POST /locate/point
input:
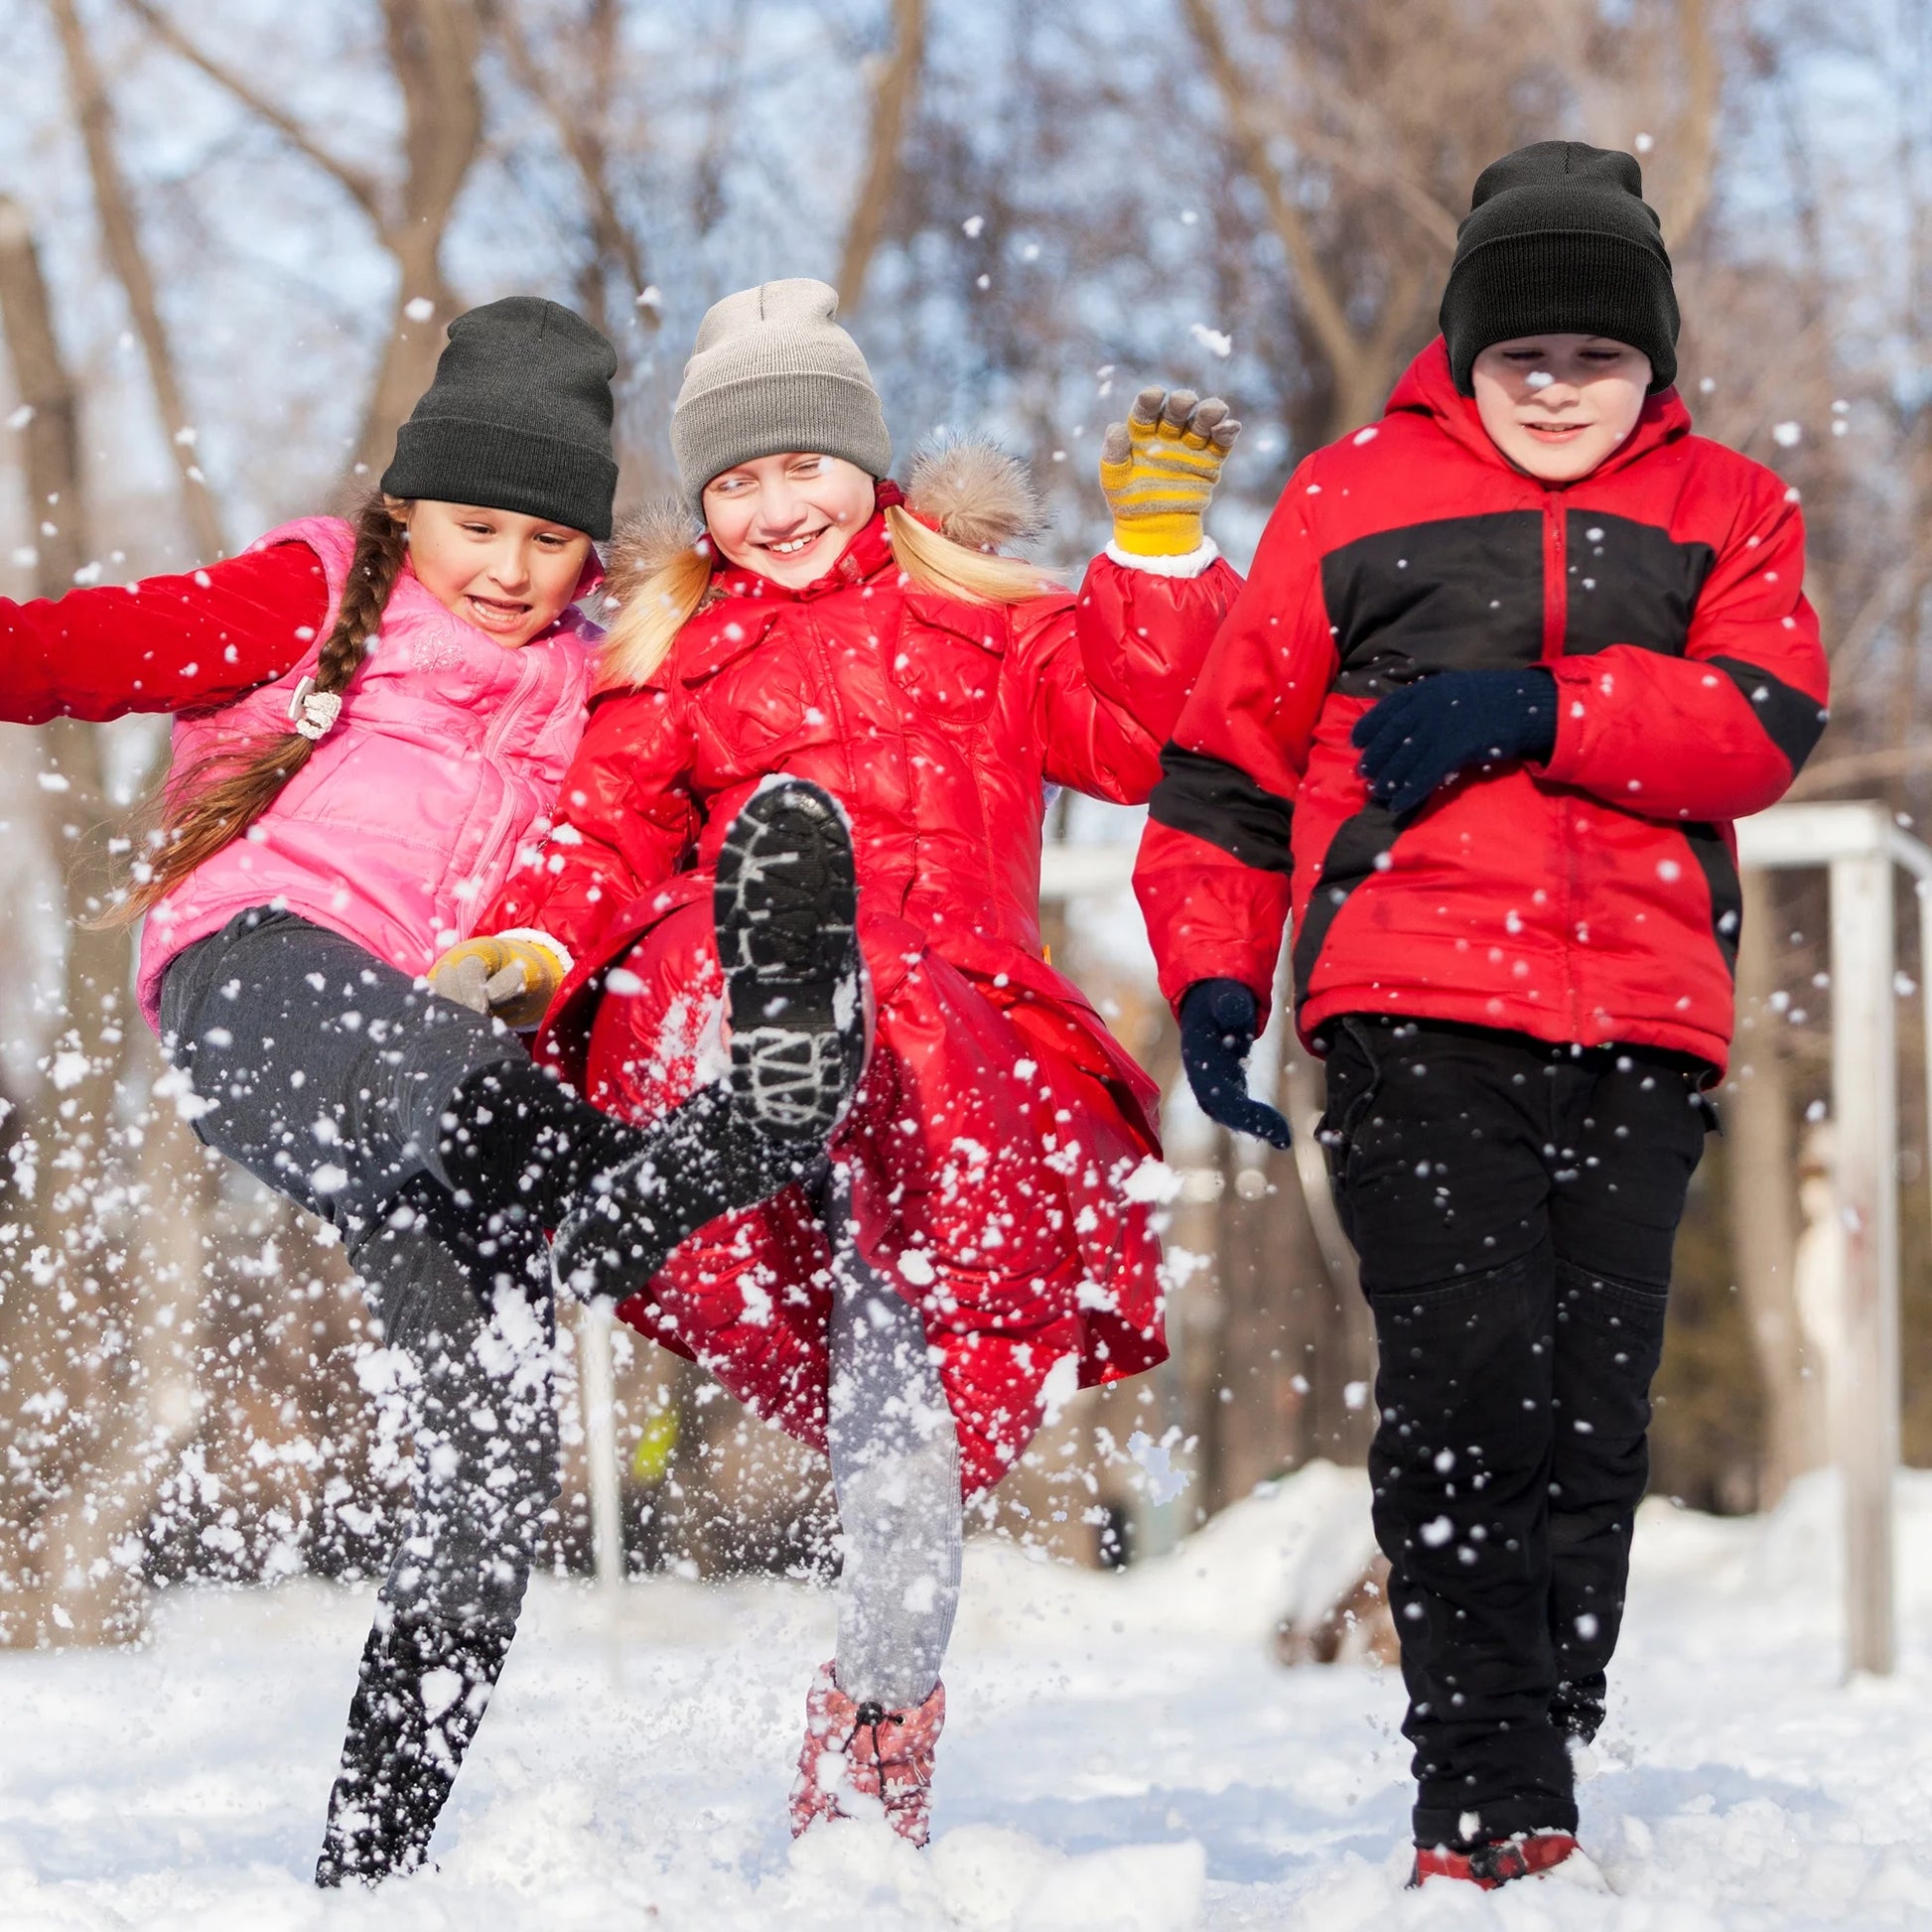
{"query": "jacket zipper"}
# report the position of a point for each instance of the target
(1556, 622)
(528, 672)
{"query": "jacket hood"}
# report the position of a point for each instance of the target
(970, 491)
(1428, 388)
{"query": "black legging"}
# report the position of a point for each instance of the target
(324, 1073)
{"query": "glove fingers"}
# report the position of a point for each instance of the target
(1224, 435)
(1411, 798)
(1201, 424)
(509, 982)
(1404, 766)
(1147, 406)
(1266, 1123)
(1379, 737)
(1391, 715)
(1240, 1114)
(464, 983)
(1116, 447)
(1179, 406)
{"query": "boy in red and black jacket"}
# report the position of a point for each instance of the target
(1507, 665)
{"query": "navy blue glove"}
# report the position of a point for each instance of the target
(1217, 1027)
(1425, 734)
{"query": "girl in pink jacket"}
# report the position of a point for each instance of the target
(371, 720)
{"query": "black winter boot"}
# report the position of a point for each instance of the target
(517, 1145)
(786, 905)
(785, 909)
(401, 1757)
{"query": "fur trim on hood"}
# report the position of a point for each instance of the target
(971, 491)
(974, 493)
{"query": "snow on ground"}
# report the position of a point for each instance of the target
(1124, 1754)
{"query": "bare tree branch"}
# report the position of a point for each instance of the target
(894, 96)
(1311, 286)
(50, 459)
(1693, 142)
(362, 185)
(583, 140)
(121, 238)
(78, 1486)
(433, 50)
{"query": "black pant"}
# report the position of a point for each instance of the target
(324, 1071)
(1514, 1207)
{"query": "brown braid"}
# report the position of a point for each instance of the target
(217, 799)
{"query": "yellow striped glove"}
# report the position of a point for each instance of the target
(511, 975)
(1160, 468)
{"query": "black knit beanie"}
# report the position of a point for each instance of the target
(1559, 240)
(518, 418)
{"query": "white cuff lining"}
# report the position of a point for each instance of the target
(543, 939)
(1189, 563)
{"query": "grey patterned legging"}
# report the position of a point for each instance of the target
(896, 1471)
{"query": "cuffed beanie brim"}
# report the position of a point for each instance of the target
(1559, 240)
(1574, 282)
(772, 372)
(518, 418)
(768, 415)
(451, 458)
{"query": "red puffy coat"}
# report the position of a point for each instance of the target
(1594, 899)
(996, 1132)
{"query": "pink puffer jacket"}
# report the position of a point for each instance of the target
(401, 827)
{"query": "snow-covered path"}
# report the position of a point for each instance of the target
(1123, 1754)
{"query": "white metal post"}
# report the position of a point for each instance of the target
(1859, 843)
(1865, 1405)
(596, 1390)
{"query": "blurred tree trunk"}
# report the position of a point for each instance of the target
(1761, 1171)
(895, 98)
(121, 240)
(78, 1439)
(580, 117)
(1291, 1347)
(1362, 356)
(433, 48)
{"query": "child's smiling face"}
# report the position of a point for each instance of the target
(1558, 405)
(511, 576)
(789, 517)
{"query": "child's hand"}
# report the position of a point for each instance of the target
(1422, 736)
(1217, 1027)
(511, 977)
(1159, 468)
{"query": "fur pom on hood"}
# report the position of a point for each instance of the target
(971, 491)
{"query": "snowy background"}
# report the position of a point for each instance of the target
(1125, 1755)
(246, 224)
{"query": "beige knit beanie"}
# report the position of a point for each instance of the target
(773, 371)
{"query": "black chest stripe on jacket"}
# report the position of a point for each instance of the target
(1464, 593)
(1352, 855)
(1714, 859)
(1630, 584)
(1214, 800)
(1791, 719)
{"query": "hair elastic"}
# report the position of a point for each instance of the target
(313, 712)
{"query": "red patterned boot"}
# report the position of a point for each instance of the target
(868, 1750)
(1489, 1866)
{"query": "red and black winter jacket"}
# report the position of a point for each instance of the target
(1593, 898)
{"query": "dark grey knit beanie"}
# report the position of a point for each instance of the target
(1559, 240)
(518, 418)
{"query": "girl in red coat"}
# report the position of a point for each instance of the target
(881, 705)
